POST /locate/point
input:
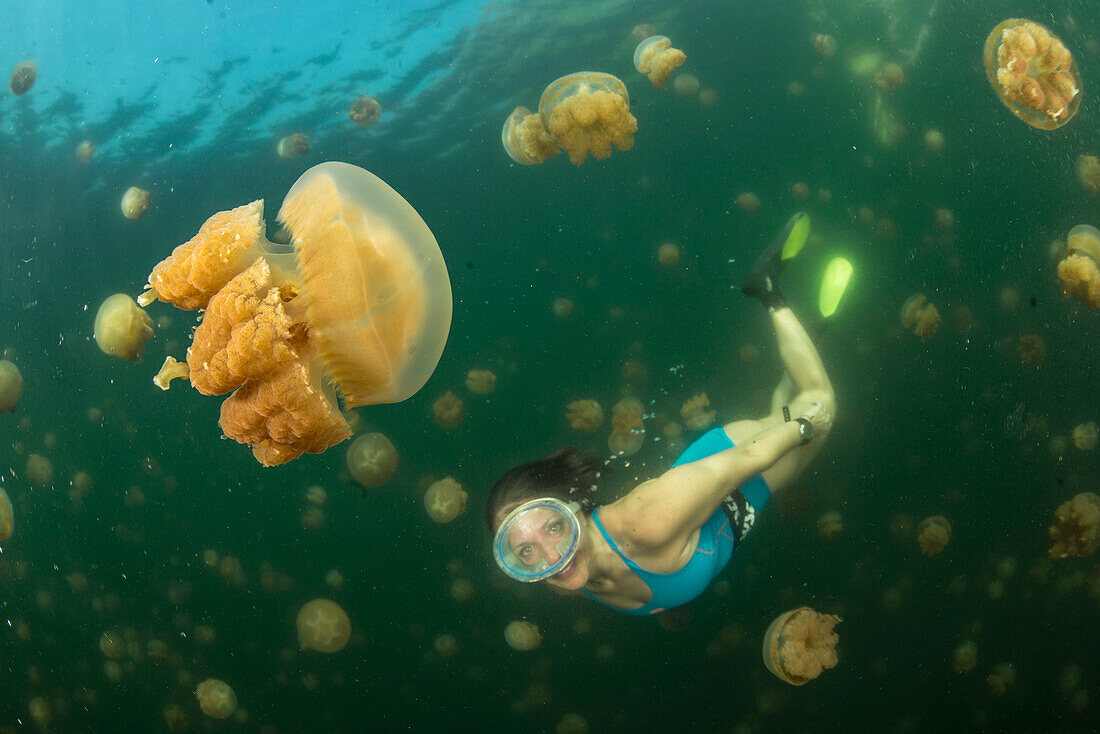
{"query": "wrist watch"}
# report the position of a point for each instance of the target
(805, 430)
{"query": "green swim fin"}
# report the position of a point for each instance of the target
(837, 274)
(794, 235)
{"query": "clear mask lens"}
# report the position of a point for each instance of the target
(537, 539)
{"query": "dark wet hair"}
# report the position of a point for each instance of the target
(568, 475)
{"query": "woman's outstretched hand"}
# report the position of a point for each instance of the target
(818, 417)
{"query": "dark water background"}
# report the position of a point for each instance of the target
(953, 425)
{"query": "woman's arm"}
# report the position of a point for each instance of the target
(667, 510)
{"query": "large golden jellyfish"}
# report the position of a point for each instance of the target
(800, 644)
(11, 386)
(1080, 270)
(1033, 73)
(1076, 527)
(525, 140)
(362, 300)
(588, 112)
(656, 58)
(121, 328)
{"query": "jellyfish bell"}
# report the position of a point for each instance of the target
(588, 112)
(359, 303)
(84, 151)
(293, 145)
(11, 386)
(121, 328)
(686, 85)
(800, 644)
(445, 500)
(372, 459)
(1084, 239)
(1088, 173)
(134, 203)
(22, 77)
(365, 111)
(933, 141)
(1033, 73)
(216, 698)
(525, 140)
(323, 626)
(522, 635)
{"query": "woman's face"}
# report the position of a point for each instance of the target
(539, 537)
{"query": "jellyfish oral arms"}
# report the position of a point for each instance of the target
(362, 302)
(588, 112)
(656, 58)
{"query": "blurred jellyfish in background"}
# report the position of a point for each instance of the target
(920, 317)
(134, 203)
(445, 500)
(1001, 680)
(1075, 531)
(824, 44)
(372, 459)
(121, 328)
(84, 151)
(696, 412)
(7, 516)
(588, 112)
(1033, 73)
(292, 146)
(642, 31)
(323, 626)
(656, 58)
(966, 657)
(216, 698)
(748, 201)
(11, 386)
(23, 77)
(1079, 272)
(1086, 435)
(1088, 173)
(934, 141)
(800, 644)
(627, 428)
(668, 255)
(365, 111)
(448, 410)
(1031, 349)
(830, 525)
(522, 635)
(481, 382)
(933, 534)
(584, 415)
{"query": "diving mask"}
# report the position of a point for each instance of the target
(537, 539)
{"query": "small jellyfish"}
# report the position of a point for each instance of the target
(920, 317)
(933, 141)
(588, 112)
(933, 534)
(448, 410)
(966, 657)
(686, 85)
(824, 44)
(830, 525)
(627, 428)
(22, 77)
(890, 76)
(39, 471)
(216, 698)
(11, 386)
(445, 645)
(748, 201)
(121, 328)
(584, 415)
(668, 255)
(696, 412)
(481, 382)
(134, 202)
(562, 307)
(1001, 680)
(462, 589)
(293, 145)
(800, 644)
(1079, 272)
(445, 500)
(316, 495)
(85, 151)
(323, 626)
(656, 58)
(1033, 73)
(372, 459)
(800, 191)
(1088, 173)
(525, 139)
(1086, 436)
(1031, 350)
(522, 635)
(7, 516)
(366, 111)
(642, 31)
(943, 218)
(1076, 527)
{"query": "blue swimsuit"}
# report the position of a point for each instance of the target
(716, 538)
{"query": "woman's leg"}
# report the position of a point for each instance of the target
(805, 382)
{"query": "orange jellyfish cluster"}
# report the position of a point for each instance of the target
(580, 113)
(1075, 531)
(919, 316)
(1079, 272)
(363, 300)
(1033, 73)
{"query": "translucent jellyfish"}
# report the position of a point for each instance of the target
(134, 203)
(627, 428)
(830, 525)
(1079, 272)
(696, 412)
(686, 85)
(562, 307)
(588, 112)
(22, 77)
(323, 626)
(293, 145)
(1076, 527)
(933, 141)
(584, 415)
(642, 31)
(572, 724)
(316, 495)
(1031, 350)
(1086, 435)
(11, 386)
(933, 534)
(462, 590)
(966, 657)
(372, 459)
(748, 201)
(920, 317)
(525, 139)
(39, 471)
(85, 151)
(361, 302)
(366, 111)
(890, 76)
(445, 500)
(121, 328)
(824, 44)
(1001, 680)
(800, 644)
(7, 516)
(522, 635)
(1088, 173)
(656, 58)
(800, 190)
(448, 410)
(481, 382)
(943, 218)
(216, 698)
(668, 255)
(175, 718)
(1033, 73)
(334, 579)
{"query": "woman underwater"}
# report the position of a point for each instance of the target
(660, 545)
